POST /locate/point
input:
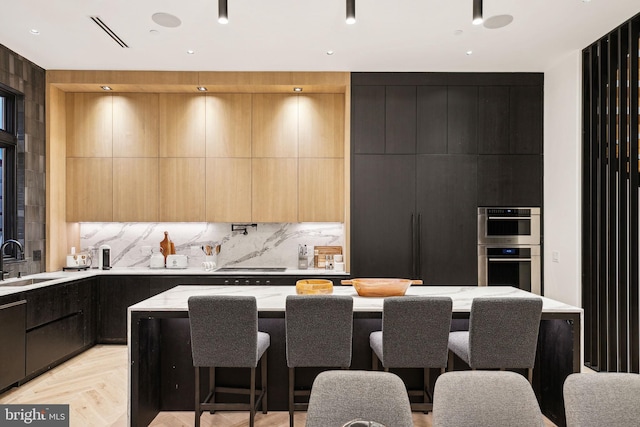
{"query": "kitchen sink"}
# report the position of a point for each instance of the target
(26, 282)
(252, 269)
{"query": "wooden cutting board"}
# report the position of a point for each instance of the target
(322, 251)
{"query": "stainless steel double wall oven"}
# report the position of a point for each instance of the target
(509, 247)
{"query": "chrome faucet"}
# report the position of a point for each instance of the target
(2, 248)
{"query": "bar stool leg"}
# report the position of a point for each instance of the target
(292, 382)
(450, 367)
(530, 375)
(263, 378)
(212, 386)
(197, 407)
(374, 361)
(252, 397)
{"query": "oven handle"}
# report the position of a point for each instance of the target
(508, 218)
(509, 259)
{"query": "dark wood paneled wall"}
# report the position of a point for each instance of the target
(610, 288)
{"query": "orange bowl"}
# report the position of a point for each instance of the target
(314, 287)
(381, 287)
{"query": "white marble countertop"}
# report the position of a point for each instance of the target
(8, 286)
(272, 298)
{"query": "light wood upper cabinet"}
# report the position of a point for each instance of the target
(135, 189)
(135, 125)
(274, 190)
(228, 187)
(274, 125)
(182, 125)
(228, 128)
(89, 189)
(321, 125)
(321, 192)
(89, 125)
(182, 189)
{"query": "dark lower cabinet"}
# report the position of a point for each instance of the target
(54, 341)
(12, 336)
(115, 295)
(383, 220)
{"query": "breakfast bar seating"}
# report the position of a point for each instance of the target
(161, 370)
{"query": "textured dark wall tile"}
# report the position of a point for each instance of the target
(23, 76)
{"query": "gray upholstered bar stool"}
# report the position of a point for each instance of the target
(415, 333)
(224, 334)
(503, 334)
(319, 331)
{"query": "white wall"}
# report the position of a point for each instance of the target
(562, 180)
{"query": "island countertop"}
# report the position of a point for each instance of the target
(272, 298)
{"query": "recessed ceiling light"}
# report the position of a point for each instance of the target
(166, 20)
(469, 52)
(477, 12)
(330, 52)
(35, 32)
(191, 52)
(202, 88)
(223, 14)
(106, 87)
(297, 89)
(351, 12)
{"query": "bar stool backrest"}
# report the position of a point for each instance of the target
(415, 331)
(503, 332)
(319, 330)
(224, 330)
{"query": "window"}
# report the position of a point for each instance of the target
(8, 144)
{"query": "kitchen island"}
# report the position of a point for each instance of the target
(161, 371)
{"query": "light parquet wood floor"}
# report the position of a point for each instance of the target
(94, 384)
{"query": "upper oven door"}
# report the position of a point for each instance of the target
(515, 226)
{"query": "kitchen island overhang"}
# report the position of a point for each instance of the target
(161, 375)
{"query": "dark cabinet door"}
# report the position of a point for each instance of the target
(462, 119)
(54, 341)
(432, 120)
(400, 120)
(510, 180)
(446, 203)
(115, 295)
(368, 121)
(493, 124)
(12, 336)
(382, 206)
(525, 115)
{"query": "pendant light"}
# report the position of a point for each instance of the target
(477, 12)
(351, 12)
(223, 17)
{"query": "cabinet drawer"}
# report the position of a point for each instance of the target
(54, 341)
(52, 303)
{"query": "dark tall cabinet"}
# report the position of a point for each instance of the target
(428, 149)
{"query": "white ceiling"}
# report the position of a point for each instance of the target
(294, 35)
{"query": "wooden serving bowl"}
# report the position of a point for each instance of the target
(314, 287)
(380, 287)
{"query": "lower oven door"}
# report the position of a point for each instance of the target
(517, 266)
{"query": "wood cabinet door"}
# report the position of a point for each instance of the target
(89, 194)
(135, 190)
(367, 118)
(274, 190)
(89, 125)
(321, 125)
(135, 125)
(228, 190)
(446, 204)
(182, 190)
(383, 201)
(525, 117)
(182, 125)
(228, 128)
(274, 125)
(321, 190)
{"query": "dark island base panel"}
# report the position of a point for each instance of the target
(162, 376)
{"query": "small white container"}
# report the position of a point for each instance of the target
(338, 266)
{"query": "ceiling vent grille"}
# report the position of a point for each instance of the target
(109, 31)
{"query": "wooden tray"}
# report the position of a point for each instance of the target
(325, 250)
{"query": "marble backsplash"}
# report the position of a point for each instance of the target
(267, 245)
